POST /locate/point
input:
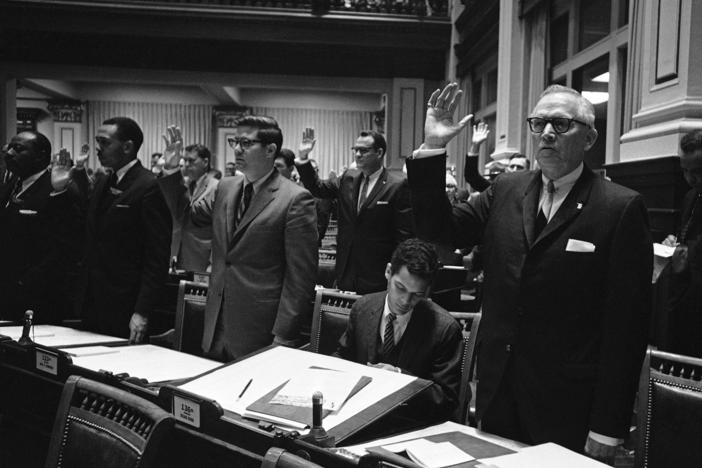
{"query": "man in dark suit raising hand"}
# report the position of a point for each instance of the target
(567, 273)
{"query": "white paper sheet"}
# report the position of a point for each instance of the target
(153, 363)
(90, 350)
(431, 454)
(55, 336)
(335, 387)
(269, 369)
(661, 250)
(433, 430)
(548, 455)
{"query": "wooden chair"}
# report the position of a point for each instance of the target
(329, 319)
(465, 413)
(279, 458)
(669, 411)
(99, 425)
(190, 317)
(326, 275)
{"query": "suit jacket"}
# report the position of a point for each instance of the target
(191, 244)
(128, 233)
(569, 328)
(685, 290)
(40, 235)
(264, 268)
(366, 238)
(431, 348)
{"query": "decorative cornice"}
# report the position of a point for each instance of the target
(226, 116)
(66, 111)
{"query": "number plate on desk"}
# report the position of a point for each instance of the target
(186, 411)
(47, 362)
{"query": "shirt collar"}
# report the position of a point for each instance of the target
(123, 170)
(375, 175)
(567, 181)
(258, 182)
(400, 320)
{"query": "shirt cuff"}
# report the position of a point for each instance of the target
(55, 194)
(606, 440)
(427, 153)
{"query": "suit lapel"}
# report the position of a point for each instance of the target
(414, 333)
(373, 327)
(573, 204)
(266, 194)
(358, 178)
(530, 205)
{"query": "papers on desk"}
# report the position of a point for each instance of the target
(431, 454)
(335, 386)
(548, 455)
(153, 363)
(270, 369)
(55, 336)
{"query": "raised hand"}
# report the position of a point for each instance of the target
(306, 146)
(61, 170)
(83, 156)
(480, 133)
(439, 127)
(173, 151)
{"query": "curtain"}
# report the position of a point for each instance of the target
(335, 130)
(195, 120)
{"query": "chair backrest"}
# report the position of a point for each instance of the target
(190, 317)
(279, 458)
(471, 322)
(446, 290)
(669, 411)
(99, 425)
(329, 319)
(326, 276)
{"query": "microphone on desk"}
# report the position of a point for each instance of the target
(317, 435)
(24, 339)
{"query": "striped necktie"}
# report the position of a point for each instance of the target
(389, 336)
(364, 192)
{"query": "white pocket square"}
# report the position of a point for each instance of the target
(381, 202)
(575, 245)
(27, 212)
(121, 206)
(115, 191)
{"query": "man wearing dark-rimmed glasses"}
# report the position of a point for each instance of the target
(264, 247)
(374, 211)
(567, 278)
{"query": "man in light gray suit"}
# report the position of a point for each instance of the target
(191, 245)
(264, 249)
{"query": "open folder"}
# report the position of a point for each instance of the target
(277, 407)
(261, 373)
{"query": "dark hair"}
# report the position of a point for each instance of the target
(201, 151)
(691, 141)
(268, 129)
(378, 140)
(520, 155)
(127, 129)
(41, 145)
(288, 156)
(418, 256)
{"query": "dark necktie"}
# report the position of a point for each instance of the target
(245, 201)
(16, 191)
(389, 336)
(364, 189)
(547, 206)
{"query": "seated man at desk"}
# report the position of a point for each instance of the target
(402, 331)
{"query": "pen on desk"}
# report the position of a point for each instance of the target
(245, 388)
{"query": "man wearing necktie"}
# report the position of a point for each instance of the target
(191, 187)
(264, 248)
(374, 211)
(565, 307)
(402, 330)
(39, 235)
(684, 307)
(128, 233)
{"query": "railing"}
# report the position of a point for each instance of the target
(422, 8)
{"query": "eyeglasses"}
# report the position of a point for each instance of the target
(245, 143)
(361, 149)
(559, 124)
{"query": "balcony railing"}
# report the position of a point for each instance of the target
(405, 8)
